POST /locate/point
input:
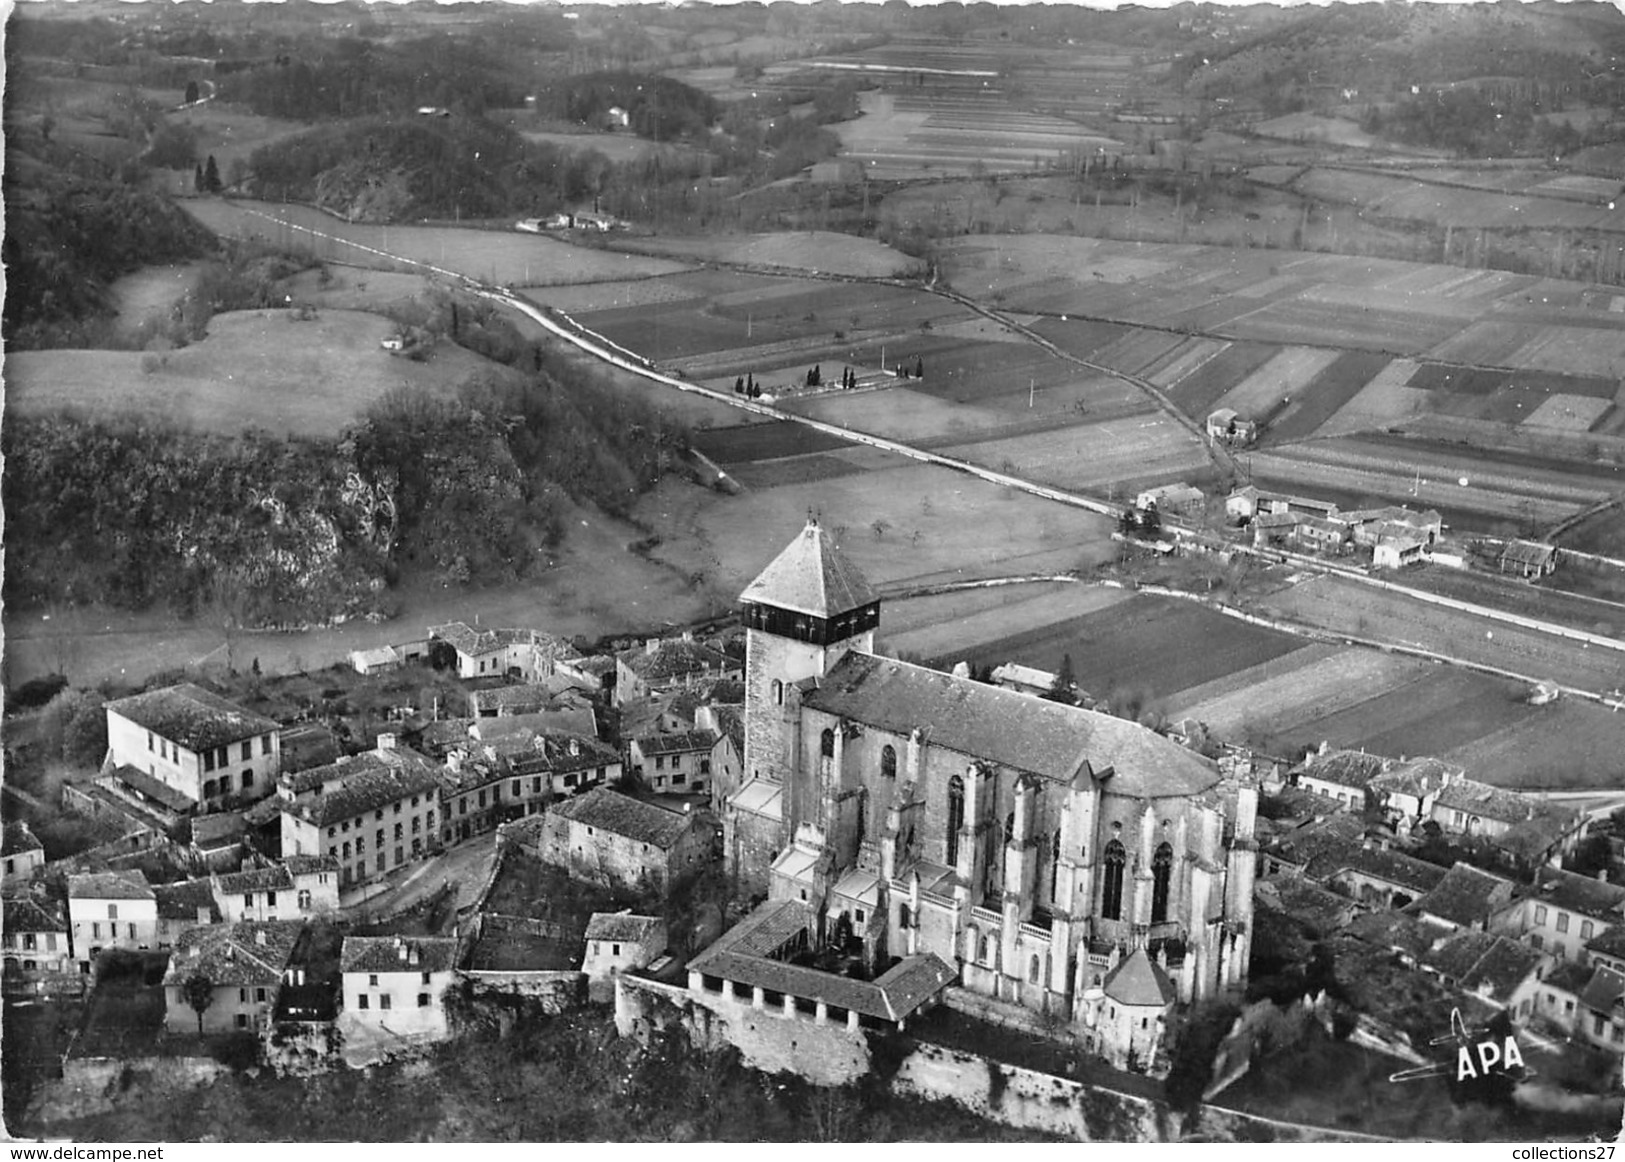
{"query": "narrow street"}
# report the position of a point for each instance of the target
(464, 868)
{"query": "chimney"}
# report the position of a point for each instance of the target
(412, 954)
(652, 646)
(386, 742)
(1602, 875)
(400, 948)
(259, 937)
(688, 635)
(575, 746)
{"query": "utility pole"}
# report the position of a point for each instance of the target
(1031, 389)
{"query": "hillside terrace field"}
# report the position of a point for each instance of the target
(261, 369)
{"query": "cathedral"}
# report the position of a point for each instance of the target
(1066, 861)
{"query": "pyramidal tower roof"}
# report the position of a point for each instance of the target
(1138, 981)
(811, 576)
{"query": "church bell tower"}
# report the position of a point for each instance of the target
(802, 614)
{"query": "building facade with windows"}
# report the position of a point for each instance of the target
(397, 984)
(38, 951)
(242, 966)
(371, 814)
(209, 749)
(111, 910)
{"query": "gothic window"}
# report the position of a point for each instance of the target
(902, 916)
(826, 744)
(778, 692)
(1054, 865)
(1032, 970)
(1162, 872)
(986, 956)
(888, 762)
(956, 817)
(1111, 888)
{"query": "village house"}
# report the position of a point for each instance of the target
(527, 654)
(660, 666)
(23, 854)
(208, 749)
(1465, 898)
(1273, 528)
(1405, 791)
(1398, 545)
(397, 984)
(518, 775)
(1557, 1000)
(379, 659)
(373, 813)
(1371, 524)
(1019, 841)
(1312, 907)
(1502, 972)
(616, 942)
(675, 763)
(38, 950)
(1530, 560)
(1525, 832)
(565, 718)
(1376, 877)
(725, 721)
(1226, 426)
(608, 838)
(1607, 947)
(1601, 1019)
(186, 905)
(244, 963)
(113, 909)
(1024, 679)
(499, 701)
(304, 885)
(1344, 775)
(1322, 534)
(1561, 914)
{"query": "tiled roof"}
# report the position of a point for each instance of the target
(1528, 553)
(1418, 777)
(1409, 935)
(1535, 837)
(1577, 893)
(1324, 911)
(529, 694)
(556, 752)
(1405, 871)
(305, 865)
(1346, 768)
(675, 659)
(191, 716)
(1609, 942)
(1138, 981)
(1046, 738)
(622, 815)
(743, 955)
(113, 885)
(680, 743)
(576, 720)
(182, 901)
(621, 926)
(1475, 959)
(472, 642)
(19, 839)
(1463, 896)
(264, 879)
(149, 787)
(246, 953)
(1330, 839)
(730, 719)
(1569, 975)
(371, 781)
(811, 576)
(218, 830)
(1490, 802)
(760, 797)
(395, 954)
(265, 811)
(25, 914)
(1603, 991)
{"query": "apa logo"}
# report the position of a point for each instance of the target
(1490, 1055)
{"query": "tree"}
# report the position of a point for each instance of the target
(191, 93)
(1066, 680)
(198, 990)
(1151, 521)
(919, 367)
(198, 183)
(211, 176)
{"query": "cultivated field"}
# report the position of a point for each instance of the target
(1114, 456)
(500, 256)
(1398, 196)
(811, 250)
(261, 369)
(1343, 606)
(940, 627)
(150, 293)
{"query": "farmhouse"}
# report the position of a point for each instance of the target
(382, 659)
(396, 985)
(115, 909)
(241, 966)
(1371, 524)
(1321, 535)
(608, 838)
(210, 750)
(528, 654)
(1398, 545)
(1024, 679)
(1531, 560)
(1172, 499)
(1035, 846)
(1273, 528)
